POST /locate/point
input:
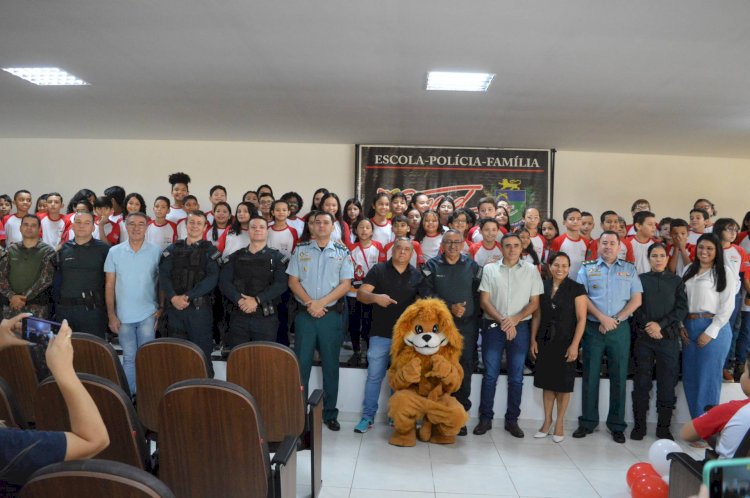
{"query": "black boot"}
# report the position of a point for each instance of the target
(639, 416)
(663, 423)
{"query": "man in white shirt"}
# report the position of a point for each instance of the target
(508, 295)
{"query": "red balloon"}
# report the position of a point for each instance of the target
(650, 487)
(638, 470)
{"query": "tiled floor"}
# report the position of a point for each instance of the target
(496, 464)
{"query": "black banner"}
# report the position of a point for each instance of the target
(523, 177)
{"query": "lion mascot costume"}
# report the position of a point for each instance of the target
(424, 371)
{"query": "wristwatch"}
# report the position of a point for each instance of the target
(617, 320)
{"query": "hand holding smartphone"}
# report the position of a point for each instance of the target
(39, 331)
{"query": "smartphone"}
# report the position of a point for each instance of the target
(728, 478)
(39, 331)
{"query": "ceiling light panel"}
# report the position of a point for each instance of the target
(46, 76)
(459, 82)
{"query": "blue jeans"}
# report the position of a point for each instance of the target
(734, 322)
(701, 367)
(493, 342)
(132, 336)
(743, 338)
(378, 358)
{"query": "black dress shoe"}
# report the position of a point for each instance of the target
(618, 437)
(483, 427)
(514, 430)
(333, 425)
(463, 431)
(582, 432)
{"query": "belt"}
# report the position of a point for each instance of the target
(695, 316)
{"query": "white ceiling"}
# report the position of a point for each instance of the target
(667, 76)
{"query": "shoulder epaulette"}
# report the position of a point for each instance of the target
(306, 243)
(589, 262)
(340, 245)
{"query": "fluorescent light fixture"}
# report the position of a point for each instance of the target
(46, 76)
(459, 82)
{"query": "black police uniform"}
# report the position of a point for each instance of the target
(192, 270)
(79, 284)
(263, 276)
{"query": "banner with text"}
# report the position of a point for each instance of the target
(522, 177)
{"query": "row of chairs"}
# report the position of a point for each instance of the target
(206, 429)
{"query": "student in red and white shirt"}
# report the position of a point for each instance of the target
(133, 203)
(12, 222)
(430, 234)
(550, 231)
(222, 222)
(610, 221)
(281, 236)
(645, 231)
(710, 209)
(381, 225)
(6, 205)
(587, 225)
(531, 221)
(105, 230)
(698, 224)
(180, 183)
(489, 249)
(237, 236)
(118, 199)
(365, 254)
(295, 203)
(680, 251)
(400, 226)
(53, 224)
(528, 253)
(485, 209)
(216, 195)
(160, 231)
(571, 242)
(399, 205)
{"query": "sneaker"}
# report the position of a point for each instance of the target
(363, 425)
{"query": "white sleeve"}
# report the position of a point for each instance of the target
(726, 307)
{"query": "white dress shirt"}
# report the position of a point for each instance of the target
(703, 298)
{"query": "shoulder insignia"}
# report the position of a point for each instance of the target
(480, 270)
(216, 256)
(303, 244)
(426, 272)
(340, 245)
(165, 253)
(284, 259)
(589, 262)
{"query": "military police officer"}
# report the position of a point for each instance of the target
(254, 278)
(614, 293)
(320, 274)
(80, 273)
(188, 274)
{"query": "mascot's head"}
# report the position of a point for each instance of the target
(427, 327)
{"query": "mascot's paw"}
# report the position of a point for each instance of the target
(412, 371)
(441, 367)
(438, 438)
(403, 438)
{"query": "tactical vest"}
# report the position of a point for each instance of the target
(253, 273)
(189, 265)
(82, 270)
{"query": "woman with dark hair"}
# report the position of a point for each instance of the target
(556, 330)
(707, 334)
(237, 236)
(330, 203)
(657, 343)
(445, 210)
(317, 197)
(503, 218)
(430, 234)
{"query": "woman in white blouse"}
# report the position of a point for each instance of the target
(710, 291)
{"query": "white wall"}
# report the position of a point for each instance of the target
(589, 180)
